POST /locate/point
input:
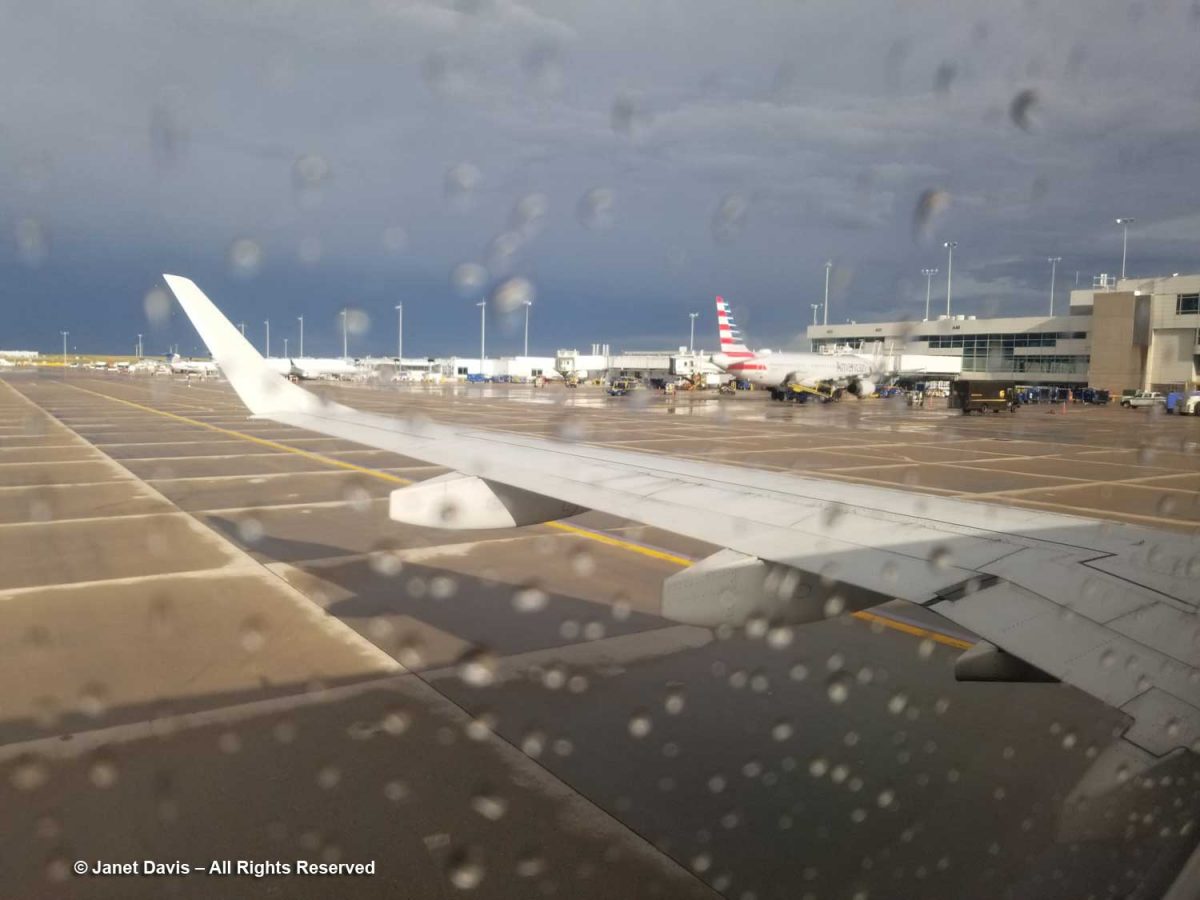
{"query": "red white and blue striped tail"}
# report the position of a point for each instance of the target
(731, 338)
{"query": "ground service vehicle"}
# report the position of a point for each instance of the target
(978, 396)
(1140, 399)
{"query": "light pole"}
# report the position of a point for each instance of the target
(139, 353)
(482, 304)
(285, 353)
(815, 307)
(928, 273)
(528, 303)
(949, 245)
(345, 338)
(828, 266)
(1054, 261)
(267, 322)
(400, 334)
(300, 319)
(1124, 223)
(692, 339)
(64, 337)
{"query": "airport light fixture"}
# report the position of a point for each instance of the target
(345, 337)
(285, 349)
(482, 304)
(400, 334)
(828, 266)
(692, 337)
(300, 319)
(1054, 261)
(528, 303)
(1124, 223)
(949, 245)
(267, 323)
(815, 307)
(139, 352)
(928, 273)
(64, 337)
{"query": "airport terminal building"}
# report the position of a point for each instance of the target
(1121, 334)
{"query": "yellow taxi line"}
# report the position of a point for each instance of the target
(598, 536)
(262, 442)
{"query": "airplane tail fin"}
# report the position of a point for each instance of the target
(260, 387)
(731, 338)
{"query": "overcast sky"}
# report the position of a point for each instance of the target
(623, 160)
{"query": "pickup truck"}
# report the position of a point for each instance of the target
(1139, 399)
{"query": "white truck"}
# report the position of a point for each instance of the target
(1138, 399)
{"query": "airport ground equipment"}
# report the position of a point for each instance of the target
(1107, 607)
(981, 396)
(1142, 399)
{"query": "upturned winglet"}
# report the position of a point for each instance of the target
(263, 390)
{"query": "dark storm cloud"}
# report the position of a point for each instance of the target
(671, 153)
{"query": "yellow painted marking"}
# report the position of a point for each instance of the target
(683, 561)
(262, 442)
(915, 631)
(598, 536)
(602, 538)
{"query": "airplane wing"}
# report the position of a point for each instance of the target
(1108, 608)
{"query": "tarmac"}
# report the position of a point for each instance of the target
(218, 647)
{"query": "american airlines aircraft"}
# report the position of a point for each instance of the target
(1108, 608)
(820, 372)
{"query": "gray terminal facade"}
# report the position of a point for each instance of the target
(1121, 334)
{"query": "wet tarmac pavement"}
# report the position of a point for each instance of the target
(217, 646)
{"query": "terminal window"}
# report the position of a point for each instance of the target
(1187, 304)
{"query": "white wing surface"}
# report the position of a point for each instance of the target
(1106, 607)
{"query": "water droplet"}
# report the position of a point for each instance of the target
(782, 730)
(229, 742)
(595, 208)
(385, 562)
(489, 805)
(29, 774)
(465, 869)
(396, 791)
(780, 637)
(93, 699)
(253, 634)
(838, 688)
(818, 767)
(478, 667)
(533, 744)
(530, 864)
(511, 296)
(329, 777)
(886, 798)
(897, 703)
(729, 219)
(157, 306)
(310, 174)
(102, 771)
(250, 530)
(640, 725)
(674, 703)
(798, 672)
(930, 207)
(33, 243)
(468, 279)
(245, 258)
(395, 239)
(461, 183)
(1021, 107)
